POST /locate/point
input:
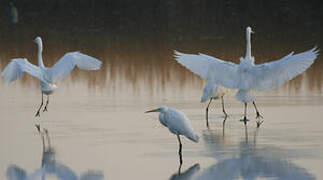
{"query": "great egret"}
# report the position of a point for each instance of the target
(247, 76)
(49, 76)
(177, 123)
(212, 91)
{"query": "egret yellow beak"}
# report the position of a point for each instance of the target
(154, 110)
(253, 32)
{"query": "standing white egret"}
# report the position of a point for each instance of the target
(212, 91)
(247, 76)
(48, 76)
(177, 123)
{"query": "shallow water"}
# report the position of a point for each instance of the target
(94, 132)
(97, 127)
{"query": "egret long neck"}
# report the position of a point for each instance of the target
(248, 47)
(40, 58)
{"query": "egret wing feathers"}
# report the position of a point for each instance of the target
(17, 67)
(209, 91)
(178, 123)
(271, 75)
(210, 68)
(67, 63)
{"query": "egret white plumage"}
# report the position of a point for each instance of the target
(177, 123)
(211, 92)
(48, 76)
(247, 76)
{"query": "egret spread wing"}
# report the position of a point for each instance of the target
(210, 68)
(17, 67)
(271, 75)
(67, 63)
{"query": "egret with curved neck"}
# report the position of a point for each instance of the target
(48, 76)
(178, 124)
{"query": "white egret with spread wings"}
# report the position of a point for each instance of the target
(248, 76)
(48, 76)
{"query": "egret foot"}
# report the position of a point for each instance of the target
(41, 105)
(225, 114)
(258, 115)
(45, 108)
(259, 122)
(38, 127)
(245, 120)
(37, 114)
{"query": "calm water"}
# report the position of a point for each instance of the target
(97, 128)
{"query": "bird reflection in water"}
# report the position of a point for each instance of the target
(50, 167)
(247, 161)
(188, 174)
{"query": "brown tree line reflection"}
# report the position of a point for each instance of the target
(148, 64)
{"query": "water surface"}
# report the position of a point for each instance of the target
(97, 127)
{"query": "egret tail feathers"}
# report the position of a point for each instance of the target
(194, 138)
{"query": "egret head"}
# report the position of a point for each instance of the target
(249, 30)
(38, 41)
(161, 109)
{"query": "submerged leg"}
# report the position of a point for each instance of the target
(41, 135)
(257, 112)
(37, 114)
(225, 114)
(47, 137)
(246, 133)
(207, 113)
(223, 125)
(45, 108)
(38, 127)
(180, 150)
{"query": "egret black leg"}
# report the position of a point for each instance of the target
(179, 169)
(45, 108)
(225, 118)
(37, 114)
(223, 126)
(259, 122)
(180, 150)
(257, 112)
(207, 113)
(245, 114)
(225, 114)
